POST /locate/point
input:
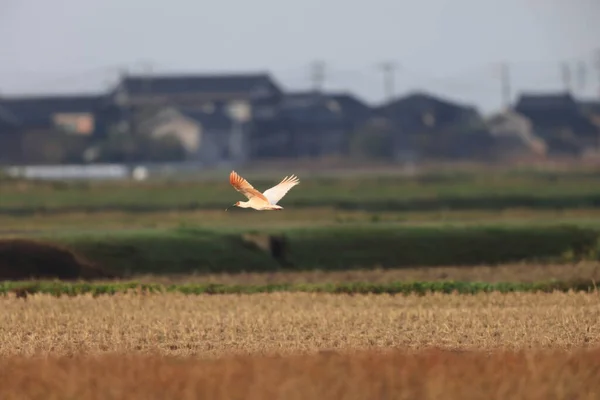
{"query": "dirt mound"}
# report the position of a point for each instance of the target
(275, 245)
(23, 259)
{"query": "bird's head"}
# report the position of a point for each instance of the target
(237, 204)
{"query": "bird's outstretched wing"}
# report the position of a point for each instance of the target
(245, 188)
(277, 192)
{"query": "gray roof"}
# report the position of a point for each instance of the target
(555, 110)
(561, 100)
(421, 101)
(181, 84)
(408, 111)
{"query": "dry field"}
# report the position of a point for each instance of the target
(216, 325)
(584, 271)
(493, 346)
(369, 375)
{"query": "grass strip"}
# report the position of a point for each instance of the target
(392, 288)
(330, 248)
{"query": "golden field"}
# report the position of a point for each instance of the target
(366, 375)
(217, 325)
(581, 271)
(301, 346)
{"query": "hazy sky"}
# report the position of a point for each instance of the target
(447, 47)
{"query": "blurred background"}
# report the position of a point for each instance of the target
(429, 133)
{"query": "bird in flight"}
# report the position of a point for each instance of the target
(257, 200)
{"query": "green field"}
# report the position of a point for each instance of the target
(454, 218)
(191, 250)
(426, 192)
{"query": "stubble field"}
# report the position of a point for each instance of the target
(514, 273)
(292, 346)
(217, 325)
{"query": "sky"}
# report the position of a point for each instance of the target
(449, 48)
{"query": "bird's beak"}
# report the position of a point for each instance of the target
(227, 209)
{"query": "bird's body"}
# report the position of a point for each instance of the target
(261, 201)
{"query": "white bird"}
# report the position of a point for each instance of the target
(257, 200)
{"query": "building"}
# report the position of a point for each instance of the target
(315, 124)
(247, 96)
(591, 109)
(514, 136)
(76, 114)
(208, 137)
(10, 139)
(51, 129)
(250, 100)
(354, 111)
(560, 122)
(427, 126)
(420, 112)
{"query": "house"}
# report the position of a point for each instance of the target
(514, 136)
(10, 142)
(354, 111)
(209, 137)
(9, 123)
(53, 129)
(74, 114)
(433, 127)
(246, 96)
(69, 114)
(315, 123)
(591, 109)
(251, 100)
(309, 124)
(379, 138)
(422, 112)
(560, 122)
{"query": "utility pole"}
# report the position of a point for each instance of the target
(317, 75)
(147, 67)
(121, 96)
(566, 76)
(505, 84)
(389, 69)
(581, 76)
(597, 67)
